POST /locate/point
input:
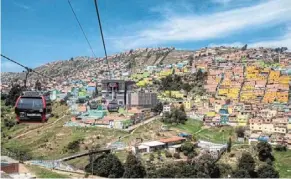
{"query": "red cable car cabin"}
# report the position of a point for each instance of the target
(33, 106)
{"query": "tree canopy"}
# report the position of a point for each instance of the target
(133, 168)
(13, 94)
(267, 171)
(247, 163)
(176, 116)
(107, 165)
(264, 150)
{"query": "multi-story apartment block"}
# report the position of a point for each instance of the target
(142, 99)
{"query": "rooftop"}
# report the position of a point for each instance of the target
(152, 143)
(172, 139)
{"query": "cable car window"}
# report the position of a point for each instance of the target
(30, 103)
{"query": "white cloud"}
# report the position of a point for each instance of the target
(191, 27)
(7, 66)
(23, 6)
(283, 41)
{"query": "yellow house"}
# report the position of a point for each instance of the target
(289, 127)
(173, 94)
(222, 91)
(188, 104)
(211, 114)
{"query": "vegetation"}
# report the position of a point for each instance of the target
(177, 116)
(264, 150)
(45, 173)
(73, 146)
(13, 94)
(158, 108)
(246, 166)
(240, 131)
(225, 170)
(267, 171)
(204, 167)
(133, 168)
(282, 163)
(107, 165)
(228, 149)
(187, 148)
(193, 82)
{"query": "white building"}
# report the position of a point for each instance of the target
(149, 146)
(166, 108)
(211, 147)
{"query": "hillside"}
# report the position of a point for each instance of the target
(122, 62)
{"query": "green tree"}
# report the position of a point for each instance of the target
(267, 171)
(152, 157)
(187, 148)
(158, 108)
(247, 163)
(176, 116)
(229, 145)
(133, 168)
(225, 170)
(13, 94)
(240, 131)
(241, 173)
(107, 165)
(264, 150)
(187, 87)
(206, 167)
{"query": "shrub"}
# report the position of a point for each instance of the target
(280, 148)
(191, 155)
(152, 157)
(168, 154)
(177, 155)
(73, 146)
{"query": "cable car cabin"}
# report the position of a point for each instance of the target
(33, 106)
(113, 106)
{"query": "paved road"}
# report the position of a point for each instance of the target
(140, 124)
(40, 127)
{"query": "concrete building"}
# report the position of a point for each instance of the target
(116, 89)
(142, 99)
(149, 146)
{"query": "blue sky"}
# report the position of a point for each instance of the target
(35, 32)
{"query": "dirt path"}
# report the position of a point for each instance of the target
(48, 125)
(141, 123)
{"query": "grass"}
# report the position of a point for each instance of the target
(79, 163)
(283, 163)
(213, 134)
(45, 173)
(190, 126)
(122, 155)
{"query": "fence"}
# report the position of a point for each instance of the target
(52, 165)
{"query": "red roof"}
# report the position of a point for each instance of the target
(172, 139)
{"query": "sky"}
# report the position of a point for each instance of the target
(35, 32)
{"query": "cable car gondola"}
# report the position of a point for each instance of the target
(33, 106)
(113, 106)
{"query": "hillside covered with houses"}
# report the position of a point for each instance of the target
(214, 88)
